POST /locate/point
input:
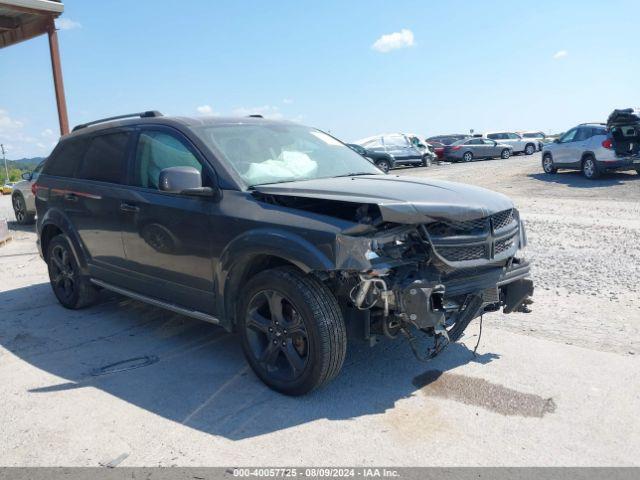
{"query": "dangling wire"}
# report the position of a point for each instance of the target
(479, 336)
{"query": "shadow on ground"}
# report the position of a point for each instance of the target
(575, 179)
(192, 372)
(15, 226)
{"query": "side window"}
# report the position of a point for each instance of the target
(157, 151)
(36, 171)
(105, 159)
(489, 142)
(65, 158)
(569, 136)
(598, 131)
(513, 136)
(582, 134)
(475, 141)
(493, 136)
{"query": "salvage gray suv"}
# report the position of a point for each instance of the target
(276, 231)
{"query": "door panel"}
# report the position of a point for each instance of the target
(563, 150)
(167, 236)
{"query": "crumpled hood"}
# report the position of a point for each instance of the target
(400, 199)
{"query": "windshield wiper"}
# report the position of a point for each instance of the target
(355, 174)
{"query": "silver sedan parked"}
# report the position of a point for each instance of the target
(471, 148)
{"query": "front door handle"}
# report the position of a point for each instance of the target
(71, 197)
(127, 207)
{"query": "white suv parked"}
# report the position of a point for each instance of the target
(519, 144)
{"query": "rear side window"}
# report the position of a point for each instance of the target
(105, 159)
(66, 158)
(599, 131)
(494, 136)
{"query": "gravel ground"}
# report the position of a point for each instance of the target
(583, 243)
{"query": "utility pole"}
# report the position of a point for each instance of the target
(5, 163)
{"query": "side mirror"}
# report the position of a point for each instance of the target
(184, 180)
(27, 175)
(556, 140)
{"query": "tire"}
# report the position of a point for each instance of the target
(426, 161)
(547, 165)
(23, 217)
(590, 168)
(71, 288)
(467, 157)
(292, 330)
(384, 165)
(506, 153)
(530, 149)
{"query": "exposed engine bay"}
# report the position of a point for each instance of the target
(433, 277)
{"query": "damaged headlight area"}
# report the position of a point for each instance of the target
(411, 284)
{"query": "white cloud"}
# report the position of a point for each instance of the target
(287, 101)
(8, 123)
(18, 143)
(267, 111)
(205, 110)
(67, 24)
(560, 54)
(393, 41)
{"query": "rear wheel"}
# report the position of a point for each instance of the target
(590, 168)
(467, 157)
(384, 165)
(20, 210)
(292, 330)
(547, 164)
(530, 149)
(72, 289)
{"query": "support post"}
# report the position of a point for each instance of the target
(56, 68)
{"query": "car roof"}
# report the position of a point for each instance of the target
(175, 121)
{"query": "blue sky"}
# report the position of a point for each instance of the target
(460, 65)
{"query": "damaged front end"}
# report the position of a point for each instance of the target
(435, 277)
(400, 269)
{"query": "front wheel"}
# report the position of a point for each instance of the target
(384, 165)
(426, 161)
(530, 149)
(467, 157)
(506, 153)
(547, 165)
(292, 330)
(590, 168)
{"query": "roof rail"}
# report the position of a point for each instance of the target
(592, 123)
(147, 114)
(255, 115)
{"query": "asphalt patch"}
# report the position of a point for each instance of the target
(481, 393)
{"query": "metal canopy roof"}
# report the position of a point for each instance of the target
(24, 19)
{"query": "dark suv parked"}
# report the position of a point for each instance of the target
(277, 231)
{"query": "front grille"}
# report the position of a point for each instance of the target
(461, 241)
(504, 245)
(502, 219)
(461, 254)
(451, 228)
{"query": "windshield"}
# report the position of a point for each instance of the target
(278, 153)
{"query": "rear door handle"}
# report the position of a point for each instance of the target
(71, 197)
(127, 207)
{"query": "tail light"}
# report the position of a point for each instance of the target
(607, 143)
(457, 147)
(34, 189)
